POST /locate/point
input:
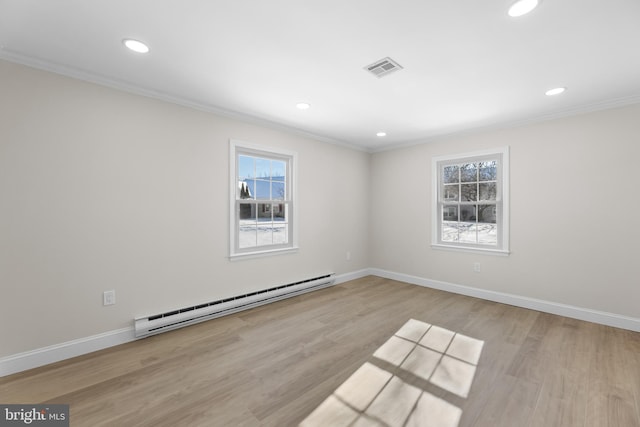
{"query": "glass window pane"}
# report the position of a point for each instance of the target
(450, 174)
(247, 237)
(264, 212)
(488, 234)
(488, 190)
(278, 170)
(263, 168)
(261, 203)
(279, 212)
(249, 190)
(450, 213)
(277, 190)
(450, 193)
(468, 213)
(488, 171)
(280, 232)
(469, 192)
(265, 234)
(246, 167)
(487, 214)
(470, 200)
(247, 212)
(468, 232)
(263, 189)
(469, 172)
(449, 231)
(244, 192)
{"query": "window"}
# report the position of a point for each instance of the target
(262, 200)
(471, 201)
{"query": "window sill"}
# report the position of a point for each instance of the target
(261, 254)
(470, 249)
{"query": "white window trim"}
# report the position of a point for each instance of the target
(503, 244)
(260, 150)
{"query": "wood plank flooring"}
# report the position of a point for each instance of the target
(273, 365)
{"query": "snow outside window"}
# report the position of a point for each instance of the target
(261, 200)
(471, 206)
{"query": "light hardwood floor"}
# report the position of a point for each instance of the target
(273, 365)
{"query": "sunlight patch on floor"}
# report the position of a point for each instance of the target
(374, 396)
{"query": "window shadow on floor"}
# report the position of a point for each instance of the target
(418, 377)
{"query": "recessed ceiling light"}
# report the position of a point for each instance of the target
(381, 134)
(136, 45)
(555, 91)
(303, 106)
(522, 7)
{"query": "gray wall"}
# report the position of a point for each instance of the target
(102, 190)
(575, 202)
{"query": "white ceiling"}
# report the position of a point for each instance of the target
(467, 64)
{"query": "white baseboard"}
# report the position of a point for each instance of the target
(594, 316)
(66, 350)
(55, 353)
(341, 278)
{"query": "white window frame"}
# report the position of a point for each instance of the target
(237, 148)
(502, 201)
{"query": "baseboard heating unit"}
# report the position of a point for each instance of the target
(158, 323)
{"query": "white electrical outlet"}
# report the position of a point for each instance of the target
(109, 297)
(348, 256)
(476, 267)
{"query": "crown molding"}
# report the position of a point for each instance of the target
(559, 114)
(124, 86)
(121, 85)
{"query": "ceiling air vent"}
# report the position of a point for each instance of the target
(383, 67)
